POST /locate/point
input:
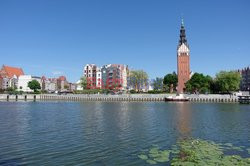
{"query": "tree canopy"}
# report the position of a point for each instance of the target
(138, 79)
(199, 83)
(227, 82)
(170, 80)
(83, 82)
(158, 83)
(34, 85)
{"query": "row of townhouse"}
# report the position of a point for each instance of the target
(57, 84)
(111, 76)
(13, 77)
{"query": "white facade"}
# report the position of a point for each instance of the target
(23, 80)
(103, 77)
(9, 82)
(93, 76)
(5, 83)
(49, 86)
(183, 49)
(98, 78)
(23, 83)
(13, 82)
(90, 70)
(124, 74)
(78, 85)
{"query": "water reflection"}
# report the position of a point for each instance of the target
(98, 115)
(111, 133)
(183, 119)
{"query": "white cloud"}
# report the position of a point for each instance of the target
(57, 72)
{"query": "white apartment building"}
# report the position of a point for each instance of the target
(98, 78)
(23, 80)
(106, 77)
(93, 75)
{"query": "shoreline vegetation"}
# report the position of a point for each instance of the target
(196, 152)
(223, 83)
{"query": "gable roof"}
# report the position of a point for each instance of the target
(11, 71)
(62, 78)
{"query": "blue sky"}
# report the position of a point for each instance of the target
(58, 37)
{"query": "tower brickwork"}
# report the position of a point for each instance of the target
(183, 60)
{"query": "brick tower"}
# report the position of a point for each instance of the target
(183, 62)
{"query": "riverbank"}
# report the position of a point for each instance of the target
(123, 97)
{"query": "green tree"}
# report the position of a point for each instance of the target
(10, 89)
(227, 82)
(66, 86)
(214, 87)
(34, 85)
(158, 83)
(199, 83)
(84, 82)
(138, 79)
(170, 81)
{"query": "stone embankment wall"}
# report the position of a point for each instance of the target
(24, 97)
(213, 98)
(123, 97)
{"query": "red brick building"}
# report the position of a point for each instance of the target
(183, 60)
(62, 84)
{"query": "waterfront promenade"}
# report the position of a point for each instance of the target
(123, 97)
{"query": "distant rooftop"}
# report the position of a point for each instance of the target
(11, 71)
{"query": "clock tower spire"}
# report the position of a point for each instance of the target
(183, 60)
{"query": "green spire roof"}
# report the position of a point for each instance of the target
(182, 22)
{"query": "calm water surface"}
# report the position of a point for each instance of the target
(106, 133)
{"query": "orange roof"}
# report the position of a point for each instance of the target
(62, 78)
(11, 71)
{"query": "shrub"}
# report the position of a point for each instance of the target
(132, 91)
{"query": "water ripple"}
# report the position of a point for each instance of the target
(100, 133)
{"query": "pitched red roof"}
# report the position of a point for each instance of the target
(11, 71)
(62, 78)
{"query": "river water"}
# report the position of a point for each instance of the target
(111, 133)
